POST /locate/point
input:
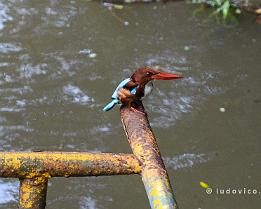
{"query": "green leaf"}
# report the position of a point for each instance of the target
(225, 9)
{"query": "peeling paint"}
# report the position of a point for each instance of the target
(33, 193)
(35, 168)
(144, 146)
(66, 164)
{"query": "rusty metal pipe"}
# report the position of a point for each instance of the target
(32, 193)
(144, 146)
(66, 164)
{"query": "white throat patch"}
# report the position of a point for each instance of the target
(148, 89)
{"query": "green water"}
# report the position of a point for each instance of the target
(61, 60)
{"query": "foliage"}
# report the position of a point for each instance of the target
(225, 8)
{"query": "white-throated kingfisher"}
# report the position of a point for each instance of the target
(137, 86)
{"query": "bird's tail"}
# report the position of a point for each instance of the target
(110, 105)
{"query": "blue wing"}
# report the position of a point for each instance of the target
(114, 97)
(121, 85)
(110, 105)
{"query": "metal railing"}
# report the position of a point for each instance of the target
(35, 168)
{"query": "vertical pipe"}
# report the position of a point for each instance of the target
(32, 193)
(144, 146)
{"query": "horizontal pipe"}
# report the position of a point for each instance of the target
(66, 164)
(144, 146)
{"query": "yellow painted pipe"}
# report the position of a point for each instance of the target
(66, 164)
(144, 146)
(32, 194)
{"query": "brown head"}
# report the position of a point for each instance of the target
(144, 75)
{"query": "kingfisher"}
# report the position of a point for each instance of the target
(137, 87)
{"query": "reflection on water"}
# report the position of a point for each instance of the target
(8, 48)
(77, 95)
(61, 60)
(88, 203)
(8, 191)
(186, 160)
(4, 16)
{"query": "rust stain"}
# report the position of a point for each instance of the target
(33, 193)
(30, 165)
(144, 146)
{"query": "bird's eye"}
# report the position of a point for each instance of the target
(149, 73)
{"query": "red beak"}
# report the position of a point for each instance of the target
(166, 76)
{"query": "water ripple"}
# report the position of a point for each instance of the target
(77, 95)
(9, 47)
(58, 17)
(8, 191)
(88, 203)
(11, 109)
(101, 129)
(4, 16)
(186, 160)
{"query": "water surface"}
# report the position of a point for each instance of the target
(61, 60)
